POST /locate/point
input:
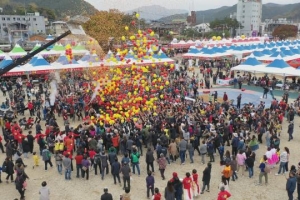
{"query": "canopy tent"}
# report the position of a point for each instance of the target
(5, 62)
(64, 60)
(49, 37)
(250, 65)
(35, 47)
(278, 66)
(56, 50)
(193, 51)
(38, 65)
(79, 49)
(17, 52)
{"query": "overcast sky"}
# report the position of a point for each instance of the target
(125, 5)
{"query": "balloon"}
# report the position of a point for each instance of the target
(123, 38)
(214, 38)
(219, 38)
(137, 15)
(167, 82)
(126, 28)
(152, 34)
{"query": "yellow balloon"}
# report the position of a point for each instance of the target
(126, 28)
(137, 15)
(167, 82)
(123, 38)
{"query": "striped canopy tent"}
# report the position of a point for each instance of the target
(38, 65)
(249, 65)
(35, 47)
(278, 67)
(192, 52)
(17, 52)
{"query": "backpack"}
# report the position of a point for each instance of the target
(97, 159)
(227, 172)
(4, 168)
(267, 168)
(135, 157)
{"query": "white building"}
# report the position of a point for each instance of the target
(19, 27)
(57, 28)
(203, 27)
(249, 14)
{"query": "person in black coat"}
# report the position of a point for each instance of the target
(115, 170)
(9, 169)
(20, 184)
(106, 195)
(150, 159)
(26, 147)
(30, 140)
(206, 178)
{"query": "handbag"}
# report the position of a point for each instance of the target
(84, 168)
(24, 184)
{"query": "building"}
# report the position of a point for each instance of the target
(164, 28)
(192, 19)
(249, 14)
(271, 24)
(15, 28)
(57, 28)
(203, 27)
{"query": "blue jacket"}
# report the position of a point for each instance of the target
(235, 142)
(150, 181)
(291, 184)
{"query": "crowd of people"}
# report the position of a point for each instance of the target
(171, 134)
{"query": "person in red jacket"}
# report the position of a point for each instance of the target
(187, 183)
(223, 194)
(78, 159)
(30, 108)
(157, 195)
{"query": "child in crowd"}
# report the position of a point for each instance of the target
(36, 160)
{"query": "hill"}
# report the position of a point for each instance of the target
(155, 12)
(58, 8)
(269, 11)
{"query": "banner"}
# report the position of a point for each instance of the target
(223, 81)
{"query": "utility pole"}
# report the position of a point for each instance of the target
(203, 29)
(25, 7)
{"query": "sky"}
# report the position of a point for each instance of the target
(126, 5)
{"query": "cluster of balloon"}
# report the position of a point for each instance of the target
(133, 86)
(69, 53)
(217, 38)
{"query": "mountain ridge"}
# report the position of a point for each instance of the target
(270, 11)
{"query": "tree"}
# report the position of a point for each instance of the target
(225, 25)
(109, 26)
(285, 31)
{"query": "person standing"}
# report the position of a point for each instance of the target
(291, 185)
(44, 191)
(150, 159)
(78, 159)
(150, 184)
(58, 160)
(46, 157)
(206, 178)
(85, 169)
(106, 195)
(196, 187)
(187, 183)
(203, 151)
(104, 164)
(238, 101)
(162, 164)
(20, 186)
(66, 162)
(169, 191)
(182, 150)
(235, 143)
(135, 160)
(115, 170)
(263, 170)
(126, 171)
(8, 168)
(30, 140)
(283, 160)
(291, 130)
